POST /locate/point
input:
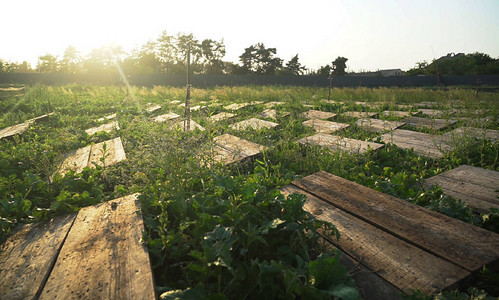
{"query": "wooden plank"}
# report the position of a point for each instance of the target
(434, 112)
(272, 104)
(476, 186)
(317, 114)
(433, 124)
(75, 161)
(103, 257)
(378, 125)
(104, 127)
(402, 264)
(422, 143)
(360, 114)
(14, 130)
(273, 114)
(482, 133)
(367, 104)
(236, 106)
(192, 126)
(325, 126)
(222, 116)
(175, 102)
(253, 123)
(339, 143)
(426, 104)
(229, 148)
(113, 154)
(166, 117)
(465, 245)
(108, 117)
(152, 107)
(27, 257)
(397, 114)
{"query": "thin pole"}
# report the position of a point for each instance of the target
(187, 114)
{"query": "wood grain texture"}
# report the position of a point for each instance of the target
(222, 116)
(423, 143)
(229, 149)
(433, 124)
(465, 245)
(166, 117)
(325, 126)
(340, 143)
(472, 132)
(152, 107)
(27, 257)
(104, 127)
(404, 265)
(476, 186)
(272, 104)
(236, 106)
(192, 126)
(103, 257)
(378, 125)
(317, 114)
(360, 114)
(396, 113)
(253, 123)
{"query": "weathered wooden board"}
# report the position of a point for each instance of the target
(396, 113)
(27, 257)
(360, 114)
(273, 114)
(403, 106)
(339, 143)
(192, 126)
(325, 126)
(317, 114)
(104, 127)
(103, 257)
(166, 117)
(367, 104)
(472, 132)
(433, 124)
(229, 149)
(152, 107)
(6, 92)
(20, 128)
(423, 143)
(378, 125)
(222, 116)
(476, 186)
(333, 101)
(399, 262)
(236, 106)
(464, 245)
(434, 112)
(254, 123)
(256, 102)
(197, 107)
(175, 102)
(108, 117)
(425, 104)
(272, 104)
(87, 156)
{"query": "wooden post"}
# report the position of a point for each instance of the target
(187, 114)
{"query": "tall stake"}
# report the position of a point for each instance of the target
(187, 114)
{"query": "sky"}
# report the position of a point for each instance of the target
(372, 34)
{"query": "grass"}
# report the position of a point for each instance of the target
(185, 202)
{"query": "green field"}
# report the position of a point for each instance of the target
(226, 230)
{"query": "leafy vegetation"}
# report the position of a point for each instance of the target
(226, 231)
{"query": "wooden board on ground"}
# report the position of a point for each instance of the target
(409, 246)
(166, 117)
(222, 116)
(425, 104)
(423, 143)
(476, 186)
(20, 128)
(273, 114)
(104, 127)
(396, 113)
(272, 104)
(87, 156)
(27, 257)
(371, 105)
(236, 106)
(103, 257)
(192, 126)
(152, 107)
(378, 125)
(433, 124)
(229, 149)
(175, 102)
(472, 132)
(11, 91)
(253, 123)
(434, 112)
(317, 114)
(360, 114)
(339, 143)
(108, 117)
(325, 126)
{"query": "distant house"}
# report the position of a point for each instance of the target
(379, 73)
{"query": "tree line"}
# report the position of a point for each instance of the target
(167, 54)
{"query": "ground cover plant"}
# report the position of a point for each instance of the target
(225, 231)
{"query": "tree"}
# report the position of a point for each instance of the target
(212, 54)
(48, 63)
(70, 60)
(103, 60)
(324, 70)
(257, 59)
(339, 65)
(293, 67)
(458, 64)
